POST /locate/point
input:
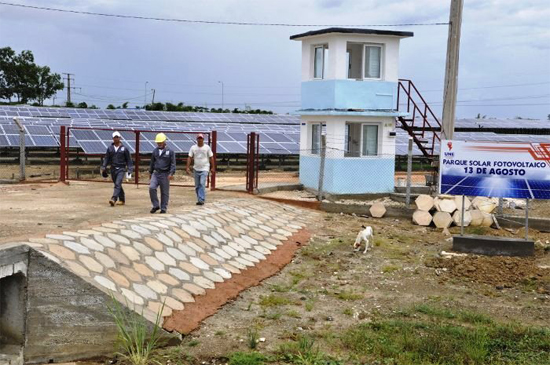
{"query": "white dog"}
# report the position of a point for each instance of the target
(365, 235)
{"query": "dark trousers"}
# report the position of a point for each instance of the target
(118, 192)
(160, 179)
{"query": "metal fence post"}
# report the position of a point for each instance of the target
(62, 157)
(214, 153)
(409, 172)
(322, 167)
(21, 149)
(136, 163)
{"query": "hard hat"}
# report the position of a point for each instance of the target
(116, 134)
(161, 137)
(200, 135)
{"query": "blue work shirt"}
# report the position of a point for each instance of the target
(163, 161)
(118, 158)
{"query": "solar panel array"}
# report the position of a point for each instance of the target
(279, 134)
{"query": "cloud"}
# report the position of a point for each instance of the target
(503, 42)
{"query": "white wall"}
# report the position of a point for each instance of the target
(335, 133)
(337, 65)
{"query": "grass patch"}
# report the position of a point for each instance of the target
(273, 300)
(348, 295)
(441, 336)
(309, 305)
(293, 314)
(348, 312)
(304, 352)
(390, 268)
(246, 358)
(193, 343)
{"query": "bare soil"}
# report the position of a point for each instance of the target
(327, 287)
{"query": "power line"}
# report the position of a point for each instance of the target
(176, 20)
(491, 87)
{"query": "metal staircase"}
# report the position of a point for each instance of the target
(422, 124)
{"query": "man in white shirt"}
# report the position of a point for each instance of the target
(202, 159)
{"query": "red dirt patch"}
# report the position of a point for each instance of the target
(206, 305)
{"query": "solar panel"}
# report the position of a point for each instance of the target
(93, 147)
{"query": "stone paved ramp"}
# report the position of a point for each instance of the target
(174, 258)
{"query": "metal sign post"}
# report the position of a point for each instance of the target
(527, 219)
(462, 215)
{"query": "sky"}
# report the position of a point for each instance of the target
(504, 67)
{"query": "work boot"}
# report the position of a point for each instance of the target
(121, 202)
(112, 202)
(154, 210)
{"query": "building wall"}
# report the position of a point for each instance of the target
(349, 175)
(335, 131)
(349, 94)
(337, 66)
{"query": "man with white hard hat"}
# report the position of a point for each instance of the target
(118, 156)
(161, 169)
(202, 159)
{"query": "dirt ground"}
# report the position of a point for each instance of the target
(327, 287)
(37, 209)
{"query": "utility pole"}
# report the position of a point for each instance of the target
(153, 100)
(451, 70)
(68, 78)
(69, 87)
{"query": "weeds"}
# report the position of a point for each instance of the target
(246, 358)
(304, 352)
(348, 295)
(348, 312)
(273, 301)
(252, 337)
(136, 341)
(309, 305)
(390, 268)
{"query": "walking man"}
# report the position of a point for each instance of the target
(119, 158)
(201, 156)
(161, 170)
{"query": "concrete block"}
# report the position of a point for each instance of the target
(424, 202)
(377, 210)
(442, 220)
(467, 218)
(493, 246)
(422, 218)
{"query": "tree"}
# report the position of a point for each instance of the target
(69, 104)
(24, 80)
(111, 106)
(548, 116)
(46, 84)
(82, 105)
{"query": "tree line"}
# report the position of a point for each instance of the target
(22, 80)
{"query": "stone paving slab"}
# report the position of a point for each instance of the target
(173, 258)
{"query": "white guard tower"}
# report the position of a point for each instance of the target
(349, 90)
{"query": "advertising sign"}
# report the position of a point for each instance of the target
(495, 169)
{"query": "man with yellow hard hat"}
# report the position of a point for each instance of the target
(161, 170)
